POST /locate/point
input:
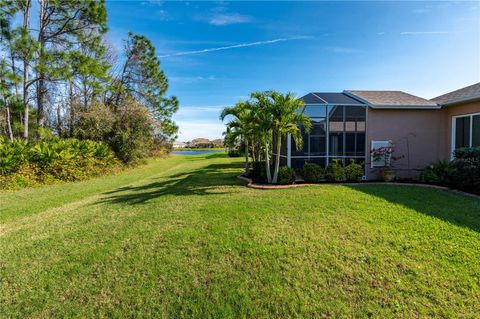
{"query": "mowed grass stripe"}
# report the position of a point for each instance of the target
(193, 242)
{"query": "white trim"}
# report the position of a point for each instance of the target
(452, 133)
(454, 129)
(406, 107)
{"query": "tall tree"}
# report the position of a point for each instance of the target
(64, 26)
(9, 79)
(142, 78)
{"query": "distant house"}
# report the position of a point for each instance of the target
(349, 124)
(206, 143)
(217, 142)
(179, 145)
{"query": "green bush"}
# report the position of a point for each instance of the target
(334, 172)
(312, 173)
(353, 171)
(27, 163)
(128, 130)
(234, 153)
(286, 175)
(466, 169)
(259, 170)
(438, 173)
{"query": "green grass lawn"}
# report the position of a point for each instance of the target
(182, 237)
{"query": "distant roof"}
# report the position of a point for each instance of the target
(465, 94)
(391, 99)
(330, 98)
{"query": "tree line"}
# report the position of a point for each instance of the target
(265, 118)
(59, 73)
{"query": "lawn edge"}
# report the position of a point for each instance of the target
(253, 185)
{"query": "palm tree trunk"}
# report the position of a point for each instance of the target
(277, 159)
(254, 158)
(267, 164)
(26, 109)
(246, 155)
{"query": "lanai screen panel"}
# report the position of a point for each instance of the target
(338, 131)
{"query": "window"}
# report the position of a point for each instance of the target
(476, 130)
(466, 131)
(462, 132)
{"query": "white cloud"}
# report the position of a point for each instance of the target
(188, 130)
(381, 33)
(191, 79)
(229, 18)
(423, 32)
(241, 45)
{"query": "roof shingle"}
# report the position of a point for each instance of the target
(392, 99)
(463, 94)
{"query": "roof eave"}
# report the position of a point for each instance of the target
(461, 100)
(394, 106)
(409, 107)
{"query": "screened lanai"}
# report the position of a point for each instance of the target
(338, 131)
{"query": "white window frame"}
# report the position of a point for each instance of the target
(454, 129)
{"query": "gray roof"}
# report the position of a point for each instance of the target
(465, 94)
(392, 99)
(330, 98)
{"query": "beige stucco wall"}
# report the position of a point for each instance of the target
(419, 135)
(454, 110)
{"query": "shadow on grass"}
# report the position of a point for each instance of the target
(209, 180)
(456, 209)
(201, 157)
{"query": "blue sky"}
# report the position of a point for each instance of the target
(216, 53)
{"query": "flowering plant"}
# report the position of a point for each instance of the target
(385, 154)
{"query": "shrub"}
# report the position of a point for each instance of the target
(128, 130)
(466, 169)
(312, 172)
(259, 170)
(27, 163)
(439, 173)
(234, 153)
(335, 172)
(286, 175)
(353, 171)
(133, 133)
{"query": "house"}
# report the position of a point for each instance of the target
(462, 114)
(349, 124)
(179, 145)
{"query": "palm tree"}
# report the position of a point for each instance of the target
(287, 117)
(241, 125)
(263, 126)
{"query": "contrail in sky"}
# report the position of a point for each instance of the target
(240, 45)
